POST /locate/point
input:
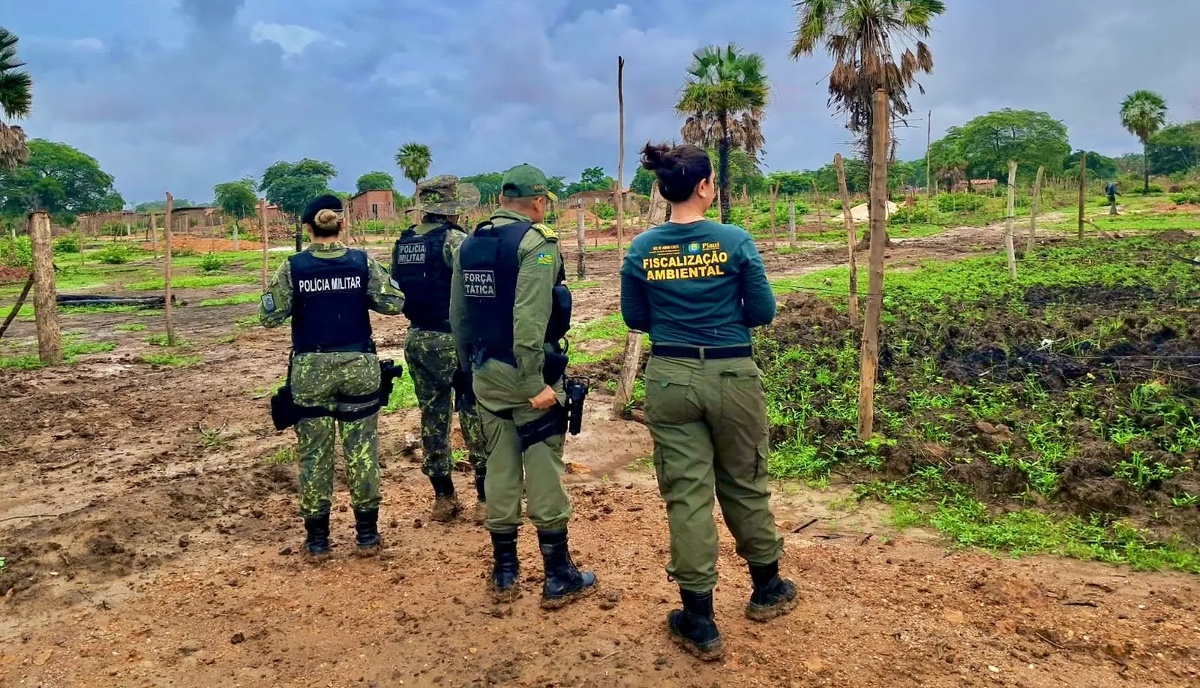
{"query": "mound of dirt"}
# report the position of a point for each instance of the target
(9, 275)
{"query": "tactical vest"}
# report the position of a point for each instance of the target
(329, 303)
(490, 265)
(419, 270)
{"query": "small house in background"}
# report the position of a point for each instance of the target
(586, 199)
(373, 205)
(976, 185)
(274, 216)
(197, 216)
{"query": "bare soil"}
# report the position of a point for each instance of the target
(149, 541)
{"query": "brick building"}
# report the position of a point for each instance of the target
(373, 205)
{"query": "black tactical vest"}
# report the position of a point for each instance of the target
(419, 270)
(489, 268)
(329, 303)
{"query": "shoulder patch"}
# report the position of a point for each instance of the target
(546, 231)
(268, 303)
(544, 258)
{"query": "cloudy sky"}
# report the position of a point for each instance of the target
(181, 94)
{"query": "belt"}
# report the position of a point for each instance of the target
(702, 353)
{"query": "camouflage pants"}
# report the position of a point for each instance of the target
(432, 360)
(318, 380)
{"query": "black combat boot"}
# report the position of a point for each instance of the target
(564, 583)
(506, 570)
(317, 542)
(693, 627)
(366, 530)
(773, 596)
(445, 502)
(480, 514)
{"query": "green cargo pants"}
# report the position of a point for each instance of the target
(317, 380)
(432, 360)
(538, 470)
(709, 424)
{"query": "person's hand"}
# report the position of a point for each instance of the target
(545, 399)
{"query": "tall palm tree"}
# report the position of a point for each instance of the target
(723, 101)
(414, 160)
(1143, 113)
(16, 101)
(859, 36)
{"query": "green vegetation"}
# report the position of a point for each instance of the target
(404, 396)
(1071, 384)
(130, 327)
(170, 360)
(161, 340)
(72, 350)
(191, 282)
(212, 262)
(284, 456)
(235, 300)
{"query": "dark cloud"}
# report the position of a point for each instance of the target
(211, 90)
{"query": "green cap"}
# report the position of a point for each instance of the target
(524, 181)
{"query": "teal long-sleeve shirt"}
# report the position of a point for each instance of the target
(701, 283)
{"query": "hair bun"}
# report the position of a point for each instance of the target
(327, 219)
(657, 157)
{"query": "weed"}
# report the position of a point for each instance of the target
(212, 262)
(282, 457)
(170, 360)
(235, 300)
(404, 396)
(1185, 501)
(192, 282)
(161, 340)
(113, 254)
(130, 327)
(213, 438)
(71, 350)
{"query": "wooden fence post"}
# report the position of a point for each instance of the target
(1011, 220)
(45, 302)
(869, 362)
(1035, 206)
(167, 268)
(851, 238)
(629, 371)
(1082, 190)
(619, 200)
(774, 196)
(791, 222)
(580, 269)
(262, 235)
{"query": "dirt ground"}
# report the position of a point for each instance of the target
(150, 541)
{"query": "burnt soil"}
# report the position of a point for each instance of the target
(150, 540)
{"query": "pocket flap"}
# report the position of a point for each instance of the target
(668, 377)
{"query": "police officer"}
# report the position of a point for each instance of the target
(697, 287)
(334, 375)
(510, 309)
(421, 261)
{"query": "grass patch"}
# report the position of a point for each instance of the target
(404, 396)
(1131, 222)
(161, 340)
(170, 360)
(236, 300)
(581, 285)
(72, 350)
(610, 329)
(130, 327)
(284, 456)
(192, 282)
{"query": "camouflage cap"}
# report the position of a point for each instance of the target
(445, 195)
(524, 181)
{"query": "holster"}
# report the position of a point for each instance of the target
(389, 370)
(464, 395)
(283, 409)
(285, 413)
(550, 424)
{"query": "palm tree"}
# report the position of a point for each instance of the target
(723, 101)
(414, 160)
(1143, 113)
(859, 35)
(16, 100)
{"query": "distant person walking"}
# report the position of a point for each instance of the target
(1112, 193)
(697, 287)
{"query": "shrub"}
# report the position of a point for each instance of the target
(960, 202)
(1186, 198)
(66, 244)
(211, 262)
(920, 214)
(113, 229)
(16, 253)
(605, 211)
(113, 254)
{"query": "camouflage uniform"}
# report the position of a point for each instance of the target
(317, 379)
(431, 355)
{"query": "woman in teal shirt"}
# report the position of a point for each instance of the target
(697, 287)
